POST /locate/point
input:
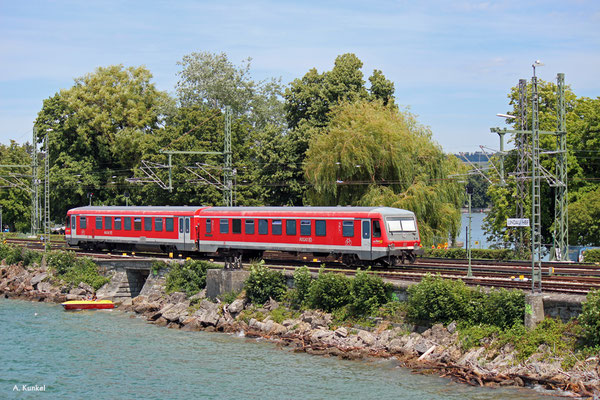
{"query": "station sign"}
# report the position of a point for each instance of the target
(517, 222)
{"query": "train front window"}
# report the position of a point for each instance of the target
(376, 229)
(401, 225)
(73, 219)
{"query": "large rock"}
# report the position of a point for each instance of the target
(208, 313)
(366, 337)
(78, 292)
(176, 312)
(177, 297)
(341, 332)
(277, 329)
(237, 306)
(316, 319)
(38, 278)
(86, 287)
(45, 287)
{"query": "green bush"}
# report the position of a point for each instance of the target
(264, 283)
(189, 277)
(302, 281)
(500, 307)
(590, 318)
(591, 256)
(442, 300)
(368, 292)
(72, 270)
(481, 254)
(329, 291)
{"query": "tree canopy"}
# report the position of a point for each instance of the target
(371, 154)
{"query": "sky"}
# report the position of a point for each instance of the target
(452, 62)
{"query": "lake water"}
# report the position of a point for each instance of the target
(478, 240)
(109, 355)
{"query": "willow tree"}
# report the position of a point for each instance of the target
(374, 155)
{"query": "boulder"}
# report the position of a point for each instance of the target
(208, 313)
(237, 306)
(199, 296)
(396, 346)
(277, 329)
(271, 304)
(452, 327)
(86, 287)
(191, 324)
(38, 278)
(177, 297)
(341, 332)
(78, 292)
(366, 337)
(175, 312)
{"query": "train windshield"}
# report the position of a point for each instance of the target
(401, 225)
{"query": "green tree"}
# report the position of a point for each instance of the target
(583, 125)
(15, 198)
(212, 80)
(370, 154)
(310, 99)
(96, 130)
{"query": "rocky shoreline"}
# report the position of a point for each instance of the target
(437, 350)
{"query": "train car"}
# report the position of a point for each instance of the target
(353, 235)
(163, 229)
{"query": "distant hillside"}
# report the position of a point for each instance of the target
(478, 157)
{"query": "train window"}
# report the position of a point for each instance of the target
(82, 223)
(187, 225)
(290, 227)
(366, 231)
(320, 228)
(249, 227)
(137, 223)
(108, 223)
(158, 223)
(208, 226)
(169, 225)
(180, 225)
(68, 222)
(117, 223)
(401, 225)
(348, 228)
(376, 229)
(263, 227)
(127, 223)
(98, 222)
(147, 223)
(276, 227)
(305, 227)
(73, 222)
(224, 225)
(236, 226)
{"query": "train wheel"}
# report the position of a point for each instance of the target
(411, 257)
(350, 260)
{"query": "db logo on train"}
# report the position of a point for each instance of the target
(348, 242)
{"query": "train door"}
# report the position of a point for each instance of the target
(184, 232)
(365, 241)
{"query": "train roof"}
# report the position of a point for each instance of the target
(194, 209)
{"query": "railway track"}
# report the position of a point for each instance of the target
(568, 278)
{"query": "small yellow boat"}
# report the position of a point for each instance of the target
(88, 305)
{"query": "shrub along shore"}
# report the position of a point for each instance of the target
(445, 327)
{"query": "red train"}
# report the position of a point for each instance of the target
(353, 235)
